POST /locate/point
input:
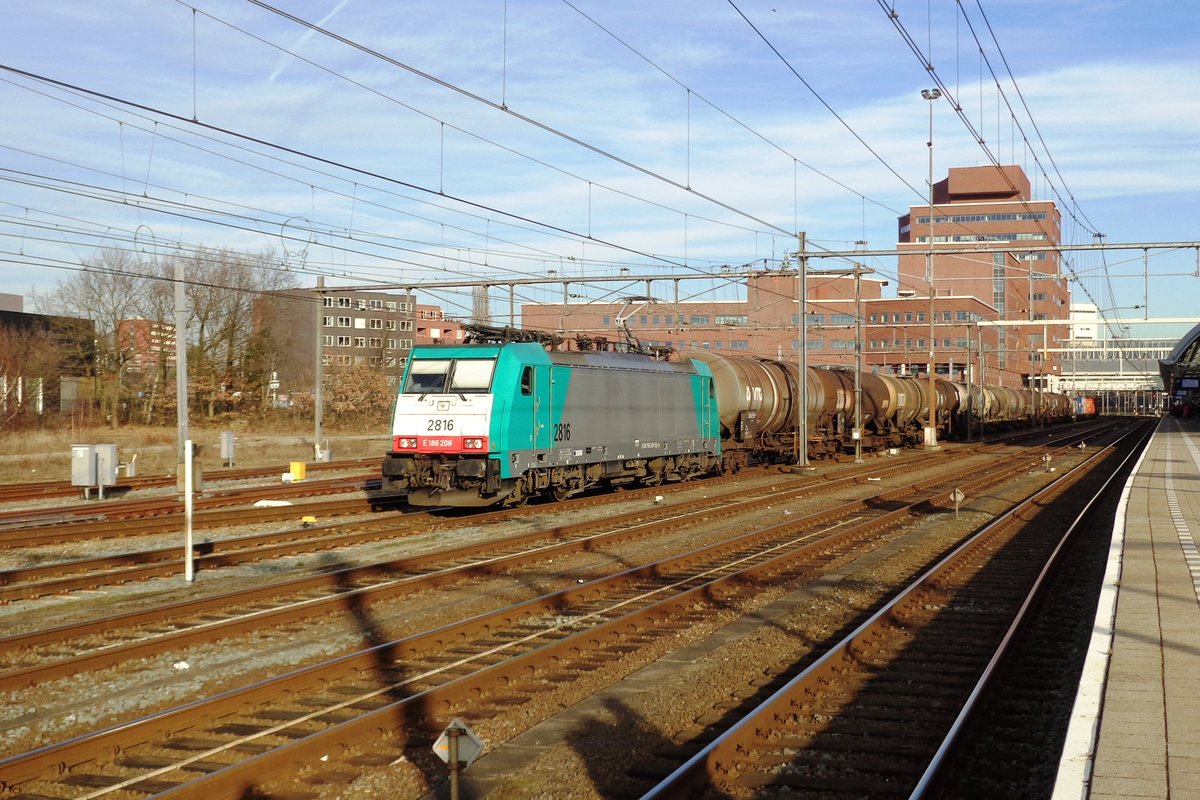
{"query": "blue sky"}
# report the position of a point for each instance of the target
(470, 140)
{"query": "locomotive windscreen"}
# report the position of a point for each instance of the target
(443, 375)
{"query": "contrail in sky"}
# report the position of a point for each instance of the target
(285, 60)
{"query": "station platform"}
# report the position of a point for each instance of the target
(1135, 729)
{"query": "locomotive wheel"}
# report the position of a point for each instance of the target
(560, 493)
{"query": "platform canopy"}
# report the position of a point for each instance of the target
(1181, 368)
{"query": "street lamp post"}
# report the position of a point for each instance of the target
(802, 378)
(931, 430)
(858, 365)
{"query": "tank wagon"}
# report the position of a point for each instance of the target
(478, 424)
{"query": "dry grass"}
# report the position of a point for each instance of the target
(27, 456)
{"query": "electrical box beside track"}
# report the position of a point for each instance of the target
(83, 465)
(94, 465)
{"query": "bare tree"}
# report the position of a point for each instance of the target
(222, 287)
(108, 289)
(29, 363)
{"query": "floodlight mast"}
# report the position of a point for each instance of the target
(931, 429)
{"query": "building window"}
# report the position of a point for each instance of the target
(344, 302)
(375, 304)
(739, 344)
(945, 316)
(873, 318)
(375, 343)
(375, 324)
(343, 341)
(360, 341)
(343, 322)
(327, 341)
(732, 319)
(327, 301)
(362, 305)
(406, 324)
(391, 344)
(841, 319)
(360, 323)
(406, 344)
(327, 322)
(391, 324)
(699, 319)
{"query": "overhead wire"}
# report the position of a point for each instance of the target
(504, 109)
(740, 123)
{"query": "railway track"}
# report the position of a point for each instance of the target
(309, 596)
(19, 529)
(881, 713)
(481, 665)
(103, 642)
(93, 573)
(42, 490)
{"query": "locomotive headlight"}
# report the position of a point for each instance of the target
(472, 444)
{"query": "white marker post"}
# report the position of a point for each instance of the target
(957, 496)
(189, 572)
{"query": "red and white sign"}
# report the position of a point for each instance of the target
(439, 444)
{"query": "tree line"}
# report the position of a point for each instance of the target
(240, 358)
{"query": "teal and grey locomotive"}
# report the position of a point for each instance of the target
(497, 423)
(478, 424)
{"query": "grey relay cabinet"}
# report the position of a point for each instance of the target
(94, 465)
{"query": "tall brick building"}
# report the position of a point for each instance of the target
(985, 208)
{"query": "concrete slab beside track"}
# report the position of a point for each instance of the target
(1135, 731)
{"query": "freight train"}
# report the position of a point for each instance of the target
(501, 422)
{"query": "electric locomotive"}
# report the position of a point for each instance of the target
(478, 424)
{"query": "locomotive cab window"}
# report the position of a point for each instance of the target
(427, 377)
(471, 375)
(443, 375)
(527, 381)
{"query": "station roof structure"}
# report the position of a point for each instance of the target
(1182, 363)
